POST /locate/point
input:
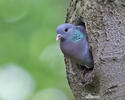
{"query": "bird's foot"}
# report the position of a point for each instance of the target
(84, 72)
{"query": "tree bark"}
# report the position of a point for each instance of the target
(105, 25)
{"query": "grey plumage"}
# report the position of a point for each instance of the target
(74, 44)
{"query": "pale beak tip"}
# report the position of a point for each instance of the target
(58, 37)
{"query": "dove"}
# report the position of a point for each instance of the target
(74, 45)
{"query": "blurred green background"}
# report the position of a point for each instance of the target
(31, 63)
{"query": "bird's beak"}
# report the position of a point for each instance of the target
(58, 37)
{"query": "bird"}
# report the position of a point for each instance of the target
(74, 45)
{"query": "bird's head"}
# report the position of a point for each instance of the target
(64, 31)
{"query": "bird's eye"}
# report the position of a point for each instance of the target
(66, 30)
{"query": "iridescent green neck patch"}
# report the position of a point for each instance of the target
(77, 36)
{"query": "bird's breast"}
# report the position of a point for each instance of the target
(73, 50)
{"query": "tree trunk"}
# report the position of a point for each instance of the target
(105, 25)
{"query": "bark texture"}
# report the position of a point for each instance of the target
(105, 26)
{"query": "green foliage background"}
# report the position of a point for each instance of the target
(27, 38)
